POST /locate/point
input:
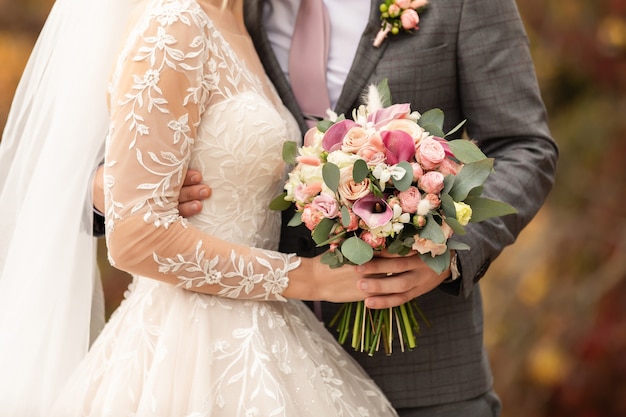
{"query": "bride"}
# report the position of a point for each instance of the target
(209, 326)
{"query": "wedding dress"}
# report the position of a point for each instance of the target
(168, 350)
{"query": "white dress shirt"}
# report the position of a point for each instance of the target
(348, 19)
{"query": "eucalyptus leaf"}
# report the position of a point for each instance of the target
(486, 208)
(322, 231)
(438, 263)
(330, 174)
(470, 176)
(455, 128)
(345, 216)
(279, 203)
(447, 204)
(324, 125)
(456, 227)
(334, 259)
(296, 220)
(360, 170)
(456, 245)
(432, 117)
(405, 182)
(357, 251)
(432, 230)
(290, 152)
(433, 129)
(466, 151)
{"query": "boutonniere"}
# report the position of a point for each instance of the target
(398, 15)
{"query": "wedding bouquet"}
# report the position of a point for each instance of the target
(385, 180)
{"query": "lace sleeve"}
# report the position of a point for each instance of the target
(160, 88)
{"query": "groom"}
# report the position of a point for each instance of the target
(471, 59)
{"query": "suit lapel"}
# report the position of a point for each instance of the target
(253, 15)
(365, 60)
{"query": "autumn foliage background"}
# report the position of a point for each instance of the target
(555, 300)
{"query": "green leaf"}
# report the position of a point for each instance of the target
(357, 251)
(405, 182)
(448, 182)
(290, 152)
(455, 129)
(296, 220)
(466, 151)
(447, 204)
(456, 245)
(432, 230)
(324, 125)
(322, 231)
(438, 263)
(279, 203)
(470, 176)
(330, 174)
(384, 92)
(486, 208)
(432, 121)
(333, 259)
(360, 170)
(456, 227)
(345, 216)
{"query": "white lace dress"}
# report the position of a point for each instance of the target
(189, 92)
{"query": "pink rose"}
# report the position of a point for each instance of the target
(376, 242)
(409, 19)
(416, 4)
(311, 217)
(431, 182)
(355, 139)
(417, 171)
(327, 205)
(409, 199)
(430, 153)
(394, 10)
(350, 191)
(309, 136)
(404, 4)
(449, 167)
(433, 199)
(354, 221)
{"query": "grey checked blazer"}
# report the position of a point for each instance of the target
(471, 59)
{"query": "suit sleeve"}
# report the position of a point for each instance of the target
(501, 101)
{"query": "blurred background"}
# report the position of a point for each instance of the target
(556, 300)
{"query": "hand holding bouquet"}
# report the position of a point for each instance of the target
(386, 180)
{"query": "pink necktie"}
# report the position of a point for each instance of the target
(307, 60)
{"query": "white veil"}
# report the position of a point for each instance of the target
(53, 141)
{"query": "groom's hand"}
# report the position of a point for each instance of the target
(395, 280)
(192, 194)
(189, 201)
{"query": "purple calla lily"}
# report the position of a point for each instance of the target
(333, 138)
(399, 146)
(374, 211)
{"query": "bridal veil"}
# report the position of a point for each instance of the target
(52, 143)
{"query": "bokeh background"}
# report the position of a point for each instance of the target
(555, 300)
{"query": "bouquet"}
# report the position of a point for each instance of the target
(386, 180)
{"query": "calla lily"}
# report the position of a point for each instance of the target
(399, 146)
(387, 114)
(374, 211)
(333, 138)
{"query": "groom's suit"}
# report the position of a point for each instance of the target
(471, 59)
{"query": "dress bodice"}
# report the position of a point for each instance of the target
(190, 91)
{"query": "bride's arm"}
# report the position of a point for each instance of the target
(162, 86)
